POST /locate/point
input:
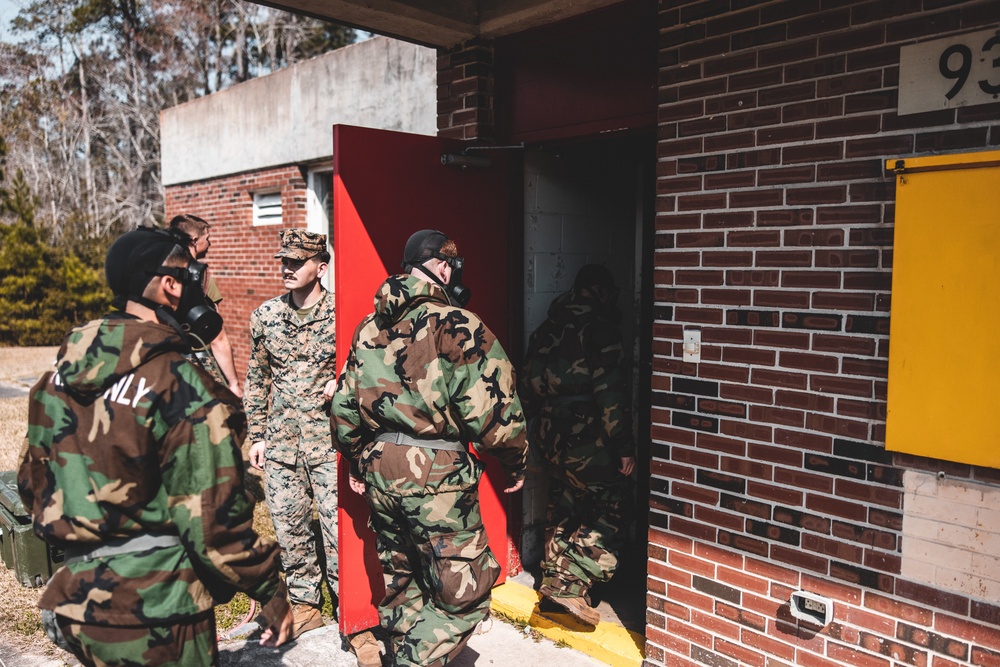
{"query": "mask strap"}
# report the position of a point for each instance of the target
(166, 316)
(437, 281)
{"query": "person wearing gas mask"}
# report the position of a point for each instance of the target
(424, 377)
(133, 466)
(217, 355)
(574, 389)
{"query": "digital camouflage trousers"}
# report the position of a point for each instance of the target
(438, 572)
(584, 532)
(290, 491)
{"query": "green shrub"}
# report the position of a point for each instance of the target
(44, 291)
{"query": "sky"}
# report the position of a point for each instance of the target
(8, 10)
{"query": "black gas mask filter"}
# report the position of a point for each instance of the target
(198, 320)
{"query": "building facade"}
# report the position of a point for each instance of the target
(755, 156)
(257, 158)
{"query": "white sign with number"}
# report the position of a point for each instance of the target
(952, 72)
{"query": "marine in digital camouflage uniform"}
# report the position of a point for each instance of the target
(424, 377)
(290, 378)
(132, 464)
(573, 384)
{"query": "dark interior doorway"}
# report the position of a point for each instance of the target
(586, 202)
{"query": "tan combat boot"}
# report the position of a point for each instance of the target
(577, 607)
(305, 618)
(366, 649)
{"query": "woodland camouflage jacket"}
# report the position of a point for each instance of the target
(573, 379)
(431, 370)
(127, 437)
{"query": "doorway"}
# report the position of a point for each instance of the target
(592, 202)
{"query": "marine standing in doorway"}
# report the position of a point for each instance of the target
(573, 383)
(424, 377)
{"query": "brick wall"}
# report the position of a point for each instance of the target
(465, 91)
(242, 256)
(774, 237)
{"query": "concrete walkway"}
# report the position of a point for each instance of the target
(497, 643)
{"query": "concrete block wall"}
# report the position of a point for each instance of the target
(951, 533)
(241, 256)
(774, 237)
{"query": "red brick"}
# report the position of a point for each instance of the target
(669, 574)
(843, 344)
(719, 444)
(698, 494)
(744, 430)
(781, 299)
(789, 339)
(799, 558)
(786, 175)
(874, 494)
(836, 507)
(843, 301)
(832, 194)
(850, 656)
(744, 655)
(802, 480)
(841, 385)
(771, 646)
(773, 415)
(987, 636)
(782, 494)
(742, 580)
(692, 600)
(780, 455)
(850, 553)
(696, 530)
(779, 378)
(812, 152)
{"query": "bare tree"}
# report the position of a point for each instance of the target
(84, 87)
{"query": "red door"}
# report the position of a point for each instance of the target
(387, 185)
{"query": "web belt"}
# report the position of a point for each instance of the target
(119, 545)
(568, 399)
(429, 443)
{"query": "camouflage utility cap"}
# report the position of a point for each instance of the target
(300, 244)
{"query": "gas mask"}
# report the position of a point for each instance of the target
(194, 316)
(458, 293)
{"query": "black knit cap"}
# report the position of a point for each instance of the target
(593, 275)
(422, 246)
(135, 257)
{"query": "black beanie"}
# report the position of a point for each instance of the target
(135, 257)
(593, 275)
(422, 246)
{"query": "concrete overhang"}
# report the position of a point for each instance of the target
(442, 23)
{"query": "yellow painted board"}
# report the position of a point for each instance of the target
(944, 339)
(608, 642)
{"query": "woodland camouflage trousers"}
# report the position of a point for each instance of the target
(185, 644)
(438, 572)
(583, 535)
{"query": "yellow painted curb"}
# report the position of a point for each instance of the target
(608, 642)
